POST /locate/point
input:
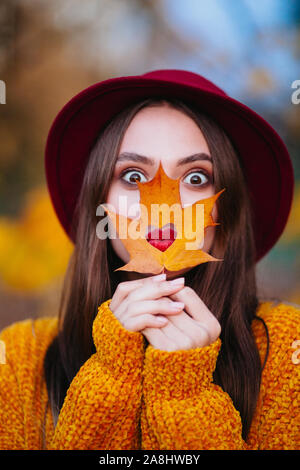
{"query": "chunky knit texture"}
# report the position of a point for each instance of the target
(129, 396)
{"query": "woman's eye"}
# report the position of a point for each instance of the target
(132, 176)
(196, 178)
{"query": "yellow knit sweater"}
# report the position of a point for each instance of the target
(129, 396)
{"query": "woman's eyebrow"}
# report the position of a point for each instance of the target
(135, 157)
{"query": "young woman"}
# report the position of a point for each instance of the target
(189, 359)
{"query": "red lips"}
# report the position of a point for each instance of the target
(161, 238)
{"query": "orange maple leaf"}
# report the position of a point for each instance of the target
(163, 193)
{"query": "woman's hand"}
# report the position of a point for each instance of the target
(140, 303)
(194, 327)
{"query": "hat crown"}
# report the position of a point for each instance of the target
(185, 77)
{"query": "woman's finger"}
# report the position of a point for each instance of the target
(122, 291)
(197, 309)
(197, 332)
(163, 305)
(124, 288)
(155, 290)
(143, 322)
(177, 335)
(158, 339)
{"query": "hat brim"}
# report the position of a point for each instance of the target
(267, 166)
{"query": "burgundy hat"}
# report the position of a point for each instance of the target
(265, 159)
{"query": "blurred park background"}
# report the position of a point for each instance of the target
(51, 50)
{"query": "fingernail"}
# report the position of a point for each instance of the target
(177, 305)
(179, 280)
(160, 277)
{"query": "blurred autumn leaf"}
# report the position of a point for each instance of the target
(34, 249)
(260, 81)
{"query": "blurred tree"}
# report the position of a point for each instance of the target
(39, 80)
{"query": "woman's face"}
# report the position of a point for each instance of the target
(167, 135)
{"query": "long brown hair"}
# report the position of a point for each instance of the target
(228, 288)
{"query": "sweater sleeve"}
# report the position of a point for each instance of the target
(12, 433)
(102, 406)
(182, 409)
